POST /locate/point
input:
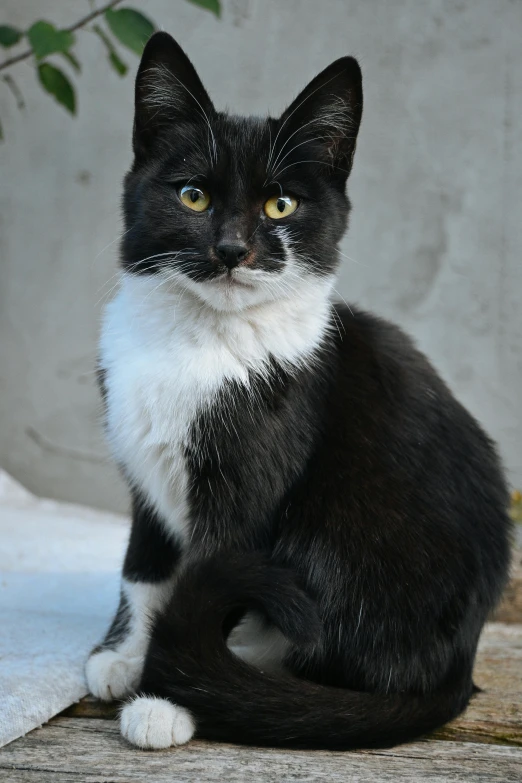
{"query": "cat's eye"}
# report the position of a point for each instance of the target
(279, 207)
(197, 199)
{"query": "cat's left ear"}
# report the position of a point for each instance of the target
(324, 119)
(168, 91)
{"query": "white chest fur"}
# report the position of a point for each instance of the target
(167, 355)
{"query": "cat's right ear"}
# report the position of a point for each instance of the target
(168, 90)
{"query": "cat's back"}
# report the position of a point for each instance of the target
(401, 429)
(388, 402)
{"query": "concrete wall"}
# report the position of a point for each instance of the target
(436, 234)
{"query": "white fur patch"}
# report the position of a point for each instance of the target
(285, 237)
(144, 600)
(111, 675)
(167, 354)
(168, 347)
(260, 645)
(116, 673)
(152, 723)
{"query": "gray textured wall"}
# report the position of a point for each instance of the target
(436, 235)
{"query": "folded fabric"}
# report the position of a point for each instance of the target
(59, 584)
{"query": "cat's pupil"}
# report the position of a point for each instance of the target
(281, 204)
(194, 196)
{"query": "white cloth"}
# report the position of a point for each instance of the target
(59, 584)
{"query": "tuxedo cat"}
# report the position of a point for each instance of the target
(319, 529)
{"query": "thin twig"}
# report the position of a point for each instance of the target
(79, 24)
(8, 79)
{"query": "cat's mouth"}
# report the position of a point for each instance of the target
(230, 280)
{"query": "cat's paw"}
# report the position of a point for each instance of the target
(152, 723)
(111, 675)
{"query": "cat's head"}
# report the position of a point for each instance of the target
(239, 211)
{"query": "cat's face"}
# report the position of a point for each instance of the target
(238, 211)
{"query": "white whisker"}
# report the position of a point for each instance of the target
(344, 300)
(161, 94)
(307, 97)
(119, 237)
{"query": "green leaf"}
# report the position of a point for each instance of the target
(210, 5)
(56, 83)
(114, 58)
(9, 36)
(130, 27)
(71, 58)
(45, 39)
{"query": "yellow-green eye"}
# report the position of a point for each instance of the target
(279, 207)
(194, 198)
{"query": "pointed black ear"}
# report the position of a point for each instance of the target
(168, 90)
(323, 121)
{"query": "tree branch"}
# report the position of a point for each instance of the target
(8, 79)
(77, 26)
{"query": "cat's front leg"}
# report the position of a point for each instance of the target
(115, 666)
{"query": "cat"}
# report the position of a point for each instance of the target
(319, 529)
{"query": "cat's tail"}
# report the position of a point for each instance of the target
(190, 664)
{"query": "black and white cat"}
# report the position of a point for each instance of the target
(319, 529)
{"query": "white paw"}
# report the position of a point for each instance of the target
(149, 722)
(111, 675)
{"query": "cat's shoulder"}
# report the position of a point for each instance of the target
(373, 337)
(377, 360)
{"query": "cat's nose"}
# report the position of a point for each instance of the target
(231, 253)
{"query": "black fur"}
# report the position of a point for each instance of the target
(234, 702)
(119, 628)
(152, 555)
(354, 502)
(389, 506)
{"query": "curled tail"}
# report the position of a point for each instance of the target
(190, 664)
